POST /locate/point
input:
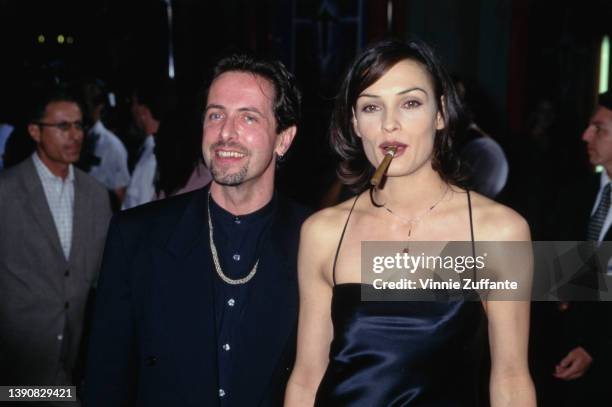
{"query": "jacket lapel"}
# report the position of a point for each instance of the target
(270, 317)
(80, 222)
(184, 307)
(37, 201)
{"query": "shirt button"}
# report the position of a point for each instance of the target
(60, 337)
(221, 392)
(226, 347)
(231, 302)
(66, 305)
(237, 220)
(67, 273)
(236, 257)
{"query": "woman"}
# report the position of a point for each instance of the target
(400, 353)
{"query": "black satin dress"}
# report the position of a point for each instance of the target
(402, 353)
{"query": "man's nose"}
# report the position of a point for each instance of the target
(228, 129)
(588, 134)
(75, 133)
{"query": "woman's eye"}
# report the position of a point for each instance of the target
(411, 104)
(369, 108)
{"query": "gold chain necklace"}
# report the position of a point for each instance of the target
(412, 221)
(215, 256)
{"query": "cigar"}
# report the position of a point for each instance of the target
(382, 168)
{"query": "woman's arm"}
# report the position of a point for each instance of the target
(314, 327)
(510, 382)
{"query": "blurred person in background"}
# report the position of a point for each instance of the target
(484, 160)
(572, 341)
(53, 219)
(105, 157)
(5, 132)
(148, 110)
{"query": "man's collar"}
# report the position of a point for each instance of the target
(97, 127)
(44, 172)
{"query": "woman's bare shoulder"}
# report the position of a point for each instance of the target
(496, 222)
(320, 237)
(328, 221)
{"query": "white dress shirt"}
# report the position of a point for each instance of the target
(60, 198)
(112, 172)
(142, 189)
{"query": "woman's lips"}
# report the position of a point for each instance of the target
(399, 148)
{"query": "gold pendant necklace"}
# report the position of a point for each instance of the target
(411, 222)
(215, 256)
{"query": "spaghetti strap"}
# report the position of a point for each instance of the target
(469, 199)
(342, 238)
(471, 219)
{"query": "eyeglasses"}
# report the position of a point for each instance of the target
(64, 126)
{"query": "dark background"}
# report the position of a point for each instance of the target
(515, 52)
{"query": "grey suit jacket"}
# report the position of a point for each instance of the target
(42, 295)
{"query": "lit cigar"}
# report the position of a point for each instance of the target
(382, 168)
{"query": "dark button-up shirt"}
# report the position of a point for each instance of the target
(238, 240)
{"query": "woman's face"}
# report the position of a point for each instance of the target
(399, 110)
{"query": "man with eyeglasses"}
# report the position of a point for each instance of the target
(53, 222)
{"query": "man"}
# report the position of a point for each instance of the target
(111, 168)
(198, 298)
(574, 349)
(53, 222)
(147, 114)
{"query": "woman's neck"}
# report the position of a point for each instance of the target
(411, 194)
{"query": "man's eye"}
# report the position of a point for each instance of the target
(369, 108)
(64, 126)
(214, 116)
(249, 119)
(412, 104)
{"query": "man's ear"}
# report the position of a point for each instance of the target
(440, 122)
(34, 131)
(284, 140)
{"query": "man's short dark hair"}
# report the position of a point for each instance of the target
(47, 95)
(287, 97)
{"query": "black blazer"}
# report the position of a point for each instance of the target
(571, 217)
(153, 338)
(584, 323)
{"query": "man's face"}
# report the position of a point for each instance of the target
(59, 134)
(139, 113)
(598, 136)
(239, 131)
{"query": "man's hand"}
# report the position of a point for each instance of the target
(574, 365)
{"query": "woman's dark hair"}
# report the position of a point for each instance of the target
(178, 150)
(355, 170)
